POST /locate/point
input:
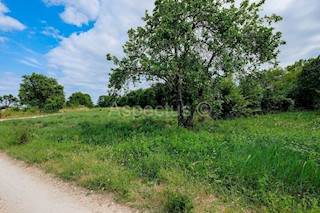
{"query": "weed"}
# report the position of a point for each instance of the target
(23, 135)
(177, 203)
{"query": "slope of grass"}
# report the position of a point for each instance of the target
(16, 113)
(265, 164)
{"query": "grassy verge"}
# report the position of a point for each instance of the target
(16, 113)
(30, 112)
(264, 164)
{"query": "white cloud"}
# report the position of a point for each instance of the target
(53, 32)
(82, 57)
(31, 62)
(301, 30)
(77, 12)
(8, 23)
(275, 6)
(9, 82)
(3, 39)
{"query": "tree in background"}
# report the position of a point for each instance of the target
(252, 91)
(8, 101)
(188, 43)
(232, 102)
(271, 89)
(158, 95)
(308, 89)
(40, 91)
(107, 101)
(79, 99)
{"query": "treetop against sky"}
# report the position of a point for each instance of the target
(68, 41)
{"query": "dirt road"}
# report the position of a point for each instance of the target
(26, 189)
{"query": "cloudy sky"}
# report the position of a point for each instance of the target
(69, 39)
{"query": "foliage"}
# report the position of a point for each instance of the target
(269, 90)
(106, 101)
(252, 90)
(79, 99)
(24, 136)
(8, 101)
(140, 97)
(308, 95)
(54, 104)
(158, 95)
(266, 163)
(233, 103)
(188, 43)
(178, 203)
(40, 91)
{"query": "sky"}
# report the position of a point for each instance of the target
(69, 39)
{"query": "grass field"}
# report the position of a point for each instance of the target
(266, 163)
(12, 113)
(30, 112)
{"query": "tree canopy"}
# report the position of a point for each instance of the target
(40, 91)
(308, 95)
(80, 99)
(189, 43)
(8, 100)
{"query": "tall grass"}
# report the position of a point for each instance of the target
(266, 163)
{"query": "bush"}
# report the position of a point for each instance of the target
(53, 104)
(178, 203)
(23, 135)
(308, 91)
(80, 99)
(233, 103)
(276, 104)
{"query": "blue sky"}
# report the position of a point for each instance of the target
(68, 39)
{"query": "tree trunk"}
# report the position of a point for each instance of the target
(189, 120)
(179, 101)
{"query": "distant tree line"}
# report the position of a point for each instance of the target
(274, 90)
(157, 95)
(40, 92)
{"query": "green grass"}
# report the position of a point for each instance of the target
(264, 164)
(16, 113)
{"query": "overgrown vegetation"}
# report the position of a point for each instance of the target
(264, 163)
(292, 88)
(190, 44)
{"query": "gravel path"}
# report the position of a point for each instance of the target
(26, 189)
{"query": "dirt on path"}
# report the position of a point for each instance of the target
(27, 189)
(30, 117)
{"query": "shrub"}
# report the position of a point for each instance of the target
(308, 91)
(232, 102)
(53, 104)
(178, 203)
(276, 103)
(23, 135)
(80, 99)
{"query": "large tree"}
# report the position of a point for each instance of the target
(40, 91)
(80, 99)
(189, 43)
